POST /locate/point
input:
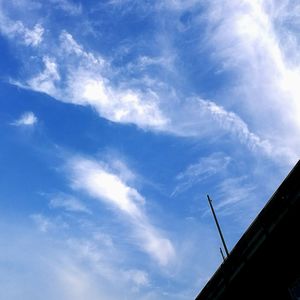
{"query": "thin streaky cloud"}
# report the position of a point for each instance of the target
(69, 203)
(100, 183)
(247, 45)
(201, 170)
(85, 84)
(70, 7)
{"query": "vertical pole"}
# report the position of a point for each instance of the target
(222, 254)
(218, 226)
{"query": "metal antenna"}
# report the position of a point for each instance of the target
(218, 226)
(222, 254)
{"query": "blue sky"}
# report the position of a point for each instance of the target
(117, 118)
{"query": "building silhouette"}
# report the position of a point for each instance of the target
(265, 262)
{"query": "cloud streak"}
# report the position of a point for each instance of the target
(69, 203)
(84, 83)
(76, 268)
(74, 75)
(98, 182)
(247, 45)
(68, 6)
(203, 169)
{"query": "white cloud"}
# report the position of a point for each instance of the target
(153, 243)
(253, 46)
(234, 124)
(177, 5)
(204, 168)
(192, 118)
(102, 184)
(35, 36)
(118, 105)
(26, 119)
(238, 198)
(69, 203)
(45, 81)
(17, 30)
(143, 62)
(234, 191)
(42, 222)
(77, 262)
(69, 45)
(68, 6)
(198, 118)
(85, 84)
(59, 269)
(97, 180)
(138, 277)
(244, 40)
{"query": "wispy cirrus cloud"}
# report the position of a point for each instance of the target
(238, 198)
(85, 83)
(177, 5)
(69, 203)
(46, 80)
(100, 183)
(259, 63)
(235, 192)
(249, 47)
(78, 266)
(244, 44)
(74, 75)
(197, 172)
(140, 278)
(68, 6)
(42, 222)
(28, 119)
(203, 118)
(70, 73)
(18, 31)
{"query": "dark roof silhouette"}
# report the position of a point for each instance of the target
(265, 262)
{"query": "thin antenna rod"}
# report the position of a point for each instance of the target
(222, 254)
(218, 226)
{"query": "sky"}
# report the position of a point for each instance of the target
(117, 118)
